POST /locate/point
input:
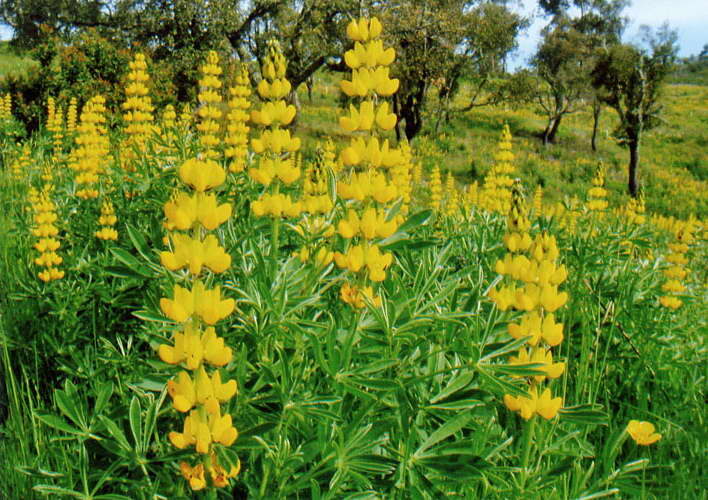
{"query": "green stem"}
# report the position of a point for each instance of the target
(528, 438)
(275, 242)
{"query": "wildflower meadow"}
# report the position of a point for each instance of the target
(239, 296)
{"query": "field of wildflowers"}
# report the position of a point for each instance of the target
(199, 303)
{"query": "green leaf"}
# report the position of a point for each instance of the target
(103, 394)
(57, 423)
(50, 488)
(414, 221)
(600, 494)
(151, 385)
(139, 242)
(505, 348)
(502, 387)
(116, 433)
(446, 430)
(584, 415)
(135, 422)
(122, 272)
(131, 262)
(457, 384)
(525, 370)
(461, 404)
(148, 316)
(68, 407)
(377, 384)
(332, 185)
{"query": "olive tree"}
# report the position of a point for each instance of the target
(632, 79)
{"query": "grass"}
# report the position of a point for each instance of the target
(674, 161)
(13, 62)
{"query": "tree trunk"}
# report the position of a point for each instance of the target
(309, 83)
(411, 111)
(397, 112)
(596, 110)
(554, 129)
(294, 99)
(633, 183)
(544, 136)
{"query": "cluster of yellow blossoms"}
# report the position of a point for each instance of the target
(470, 198)
(369, 191)
(107, 220)
(20, 166)
(6, 107)
(168, 137)
(275, 147)
(678, 271)
(55, 125)
(533, 263)
(71, 116)
(597, 194)
(402, 176)
(237, 129)
(191, 216)
(210, 106)
(46, 231)
(370, 64)
(452, 199)
(92, 148)
(316, 202)
(496, 192)
(634, 211)
(436, 188)
(138, 111)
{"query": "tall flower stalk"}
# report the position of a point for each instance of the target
(237, 123)
(533, 275)
(137, 112)
(197, 257)
(92, 147)
(370, 189)
(496, 192)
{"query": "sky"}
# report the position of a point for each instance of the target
(688, 17)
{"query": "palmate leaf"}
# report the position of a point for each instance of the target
(66, 401)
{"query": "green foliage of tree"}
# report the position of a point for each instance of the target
(563, 64)
(632, 79)
(90, 66)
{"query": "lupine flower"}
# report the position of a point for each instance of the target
(642, 432)
(531, 264)
(107, 220)
(195, 346)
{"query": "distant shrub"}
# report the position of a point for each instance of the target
(90, 65)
